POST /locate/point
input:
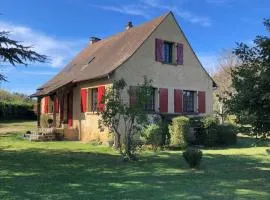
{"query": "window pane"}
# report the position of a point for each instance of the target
(168, 52)
(188, 101)
(150, 104)
(94, 99)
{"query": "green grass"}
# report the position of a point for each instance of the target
(72, 170)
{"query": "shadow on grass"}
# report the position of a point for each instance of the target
(41, 173)
(10, 121)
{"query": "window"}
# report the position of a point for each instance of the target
(92, 100)
(168, 52)
(149, 105)
(188, 101)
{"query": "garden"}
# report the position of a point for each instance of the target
(68, 170)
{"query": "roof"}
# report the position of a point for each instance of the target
(99, 59)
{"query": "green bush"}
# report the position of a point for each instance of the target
(164, 126)
(153, 135)
(226, 134)
(13, 110)
(193, 157)
(179, 130)
(212, 134)
(209, 121)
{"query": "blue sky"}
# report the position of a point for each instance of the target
(60, 29)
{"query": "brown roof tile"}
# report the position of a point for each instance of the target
(103, 57)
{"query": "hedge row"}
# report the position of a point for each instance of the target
(16, 111)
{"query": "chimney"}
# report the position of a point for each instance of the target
(94, 40)
(129, 26)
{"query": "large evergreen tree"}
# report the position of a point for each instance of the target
(251, 81)
(15, 53)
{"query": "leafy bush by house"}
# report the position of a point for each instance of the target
(193, 157)
(209, 121)
(210, 133)
(164, 126)
(153, 135)
(179, 130)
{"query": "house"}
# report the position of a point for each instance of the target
(158, 49)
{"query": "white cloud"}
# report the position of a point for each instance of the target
(58, 51)
(179, 11)
(138, 10)
(146, 7)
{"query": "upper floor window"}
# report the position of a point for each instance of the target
(168, 52)
(189, 101)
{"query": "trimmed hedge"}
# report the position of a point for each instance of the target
(16, 111)
(210, 133)
(193, 157)
(179, 130)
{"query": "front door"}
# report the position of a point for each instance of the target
(70, 109)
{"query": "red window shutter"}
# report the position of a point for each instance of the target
(178, 101)
(101, 91)
(180, 54)
(83, 100)
(163, 100)
(132, 95)
(201, 100)
(46, 104)
(159, 50)
(56, 104)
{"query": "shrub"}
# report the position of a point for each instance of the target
(179, 130)
(209, 121)
(164, 126)
(14, 110)
(210, 136)
(226, 134)
(153, 135)
(193, 157)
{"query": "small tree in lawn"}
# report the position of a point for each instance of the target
(123, 119)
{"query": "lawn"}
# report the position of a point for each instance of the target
(72, 170)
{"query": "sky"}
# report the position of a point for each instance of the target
(60, 29)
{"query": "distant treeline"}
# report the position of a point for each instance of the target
(16, 106)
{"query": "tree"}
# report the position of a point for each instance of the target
(14, 52)
(251, 81)
(125, 120)
(223, 78)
